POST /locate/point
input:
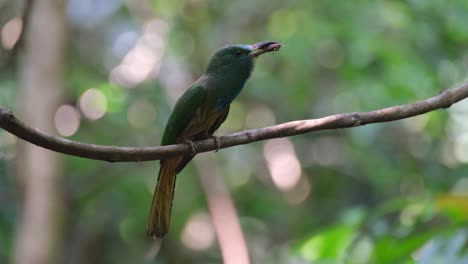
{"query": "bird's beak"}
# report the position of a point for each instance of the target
(264, 47)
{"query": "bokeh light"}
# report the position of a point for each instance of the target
(175, 77)
(300, 192)
(11, 32)
(198, 233)
(67, 120)
(124, 42)
(93, 104)
(142, 62)
(282, 162)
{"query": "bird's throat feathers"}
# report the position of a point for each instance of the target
(227, 84)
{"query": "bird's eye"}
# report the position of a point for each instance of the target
(238, 53)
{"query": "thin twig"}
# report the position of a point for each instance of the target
(126, 154)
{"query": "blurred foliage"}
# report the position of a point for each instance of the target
(382, 193)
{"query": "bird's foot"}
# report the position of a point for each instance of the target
(192, 146)
(217, 141)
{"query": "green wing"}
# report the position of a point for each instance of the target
(182, 113)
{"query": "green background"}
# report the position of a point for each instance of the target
(382, 193)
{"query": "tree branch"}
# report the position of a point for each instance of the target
(126, 154)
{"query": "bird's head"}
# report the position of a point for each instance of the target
(239, 57)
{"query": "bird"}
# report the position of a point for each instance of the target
(197, 114)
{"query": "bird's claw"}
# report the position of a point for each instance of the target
(217, 141)
(192, 146)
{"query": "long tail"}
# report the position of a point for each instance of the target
(160, 213)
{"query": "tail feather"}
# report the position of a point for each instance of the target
(160, 213)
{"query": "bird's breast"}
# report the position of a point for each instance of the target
(225, 92)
